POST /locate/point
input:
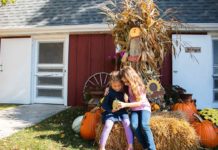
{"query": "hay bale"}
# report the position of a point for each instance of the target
(170, 130)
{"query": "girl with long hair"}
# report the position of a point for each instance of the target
(140, 107)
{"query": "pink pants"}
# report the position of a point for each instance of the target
(107, 128)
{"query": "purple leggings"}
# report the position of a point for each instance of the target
(107, 128)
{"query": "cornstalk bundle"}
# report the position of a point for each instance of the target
(140, 31)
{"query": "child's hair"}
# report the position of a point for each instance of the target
(135, 81)
(115, 76)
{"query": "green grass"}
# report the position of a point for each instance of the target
(7, 106)
(54, 133)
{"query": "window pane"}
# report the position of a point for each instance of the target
(49, 81)
(50, 93)
(215, 83)
(215, 70)
(216, 96)
(51, 53)
(50, 70)
(215, 50)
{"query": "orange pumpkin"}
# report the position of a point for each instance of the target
(216, 129)
(89, 123)
(188, 108)
(206, 131)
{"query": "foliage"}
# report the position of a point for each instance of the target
(7, 106)
(5, 2)
(155, 39)
(210, 114)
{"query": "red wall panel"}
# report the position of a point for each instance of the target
(166, 71)
(91, 53)
(88, 54)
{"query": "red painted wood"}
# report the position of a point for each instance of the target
(166, 71)
(109, 52)
(83, 65)
(97, 53)
(88, 54)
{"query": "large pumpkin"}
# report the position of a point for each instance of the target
(216, 129)
(206, 131)
(89, 122)
(187, 107)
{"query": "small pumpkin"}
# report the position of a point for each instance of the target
(77, 124)
(206, 131)
(188, 108)
(155, 107)
(89, 123)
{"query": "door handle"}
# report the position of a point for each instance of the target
(1, 68)
(175, 71)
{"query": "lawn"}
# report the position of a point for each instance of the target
(55, 133)
(7, 106)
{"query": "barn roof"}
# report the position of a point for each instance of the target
(76, 12)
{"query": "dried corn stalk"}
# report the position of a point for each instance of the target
(155, 39)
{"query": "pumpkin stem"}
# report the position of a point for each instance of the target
(180, 100)
(198, 117)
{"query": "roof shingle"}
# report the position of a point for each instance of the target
(74, 12)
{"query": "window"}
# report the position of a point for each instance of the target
(51, 53)
(215, 69)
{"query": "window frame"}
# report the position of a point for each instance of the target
(215, 66)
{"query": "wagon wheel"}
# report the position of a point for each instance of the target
(95, 85)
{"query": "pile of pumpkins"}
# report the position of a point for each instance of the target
(206, 130)
(86, 125)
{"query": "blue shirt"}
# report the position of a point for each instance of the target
(107, 106)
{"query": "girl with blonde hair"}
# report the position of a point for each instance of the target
(140, 107)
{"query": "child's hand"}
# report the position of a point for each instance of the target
(114, 110)
(126, 98)
(121, 105)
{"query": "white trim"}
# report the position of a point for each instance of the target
(203, 26)
(22, 31)
(89, 28)
(66, 56)
(50, 87)
(50, 38)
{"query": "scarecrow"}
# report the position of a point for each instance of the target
(145, 37)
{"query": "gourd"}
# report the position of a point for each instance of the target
(77, 124)
(155, 107)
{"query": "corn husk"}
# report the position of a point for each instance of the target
(155, 32)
